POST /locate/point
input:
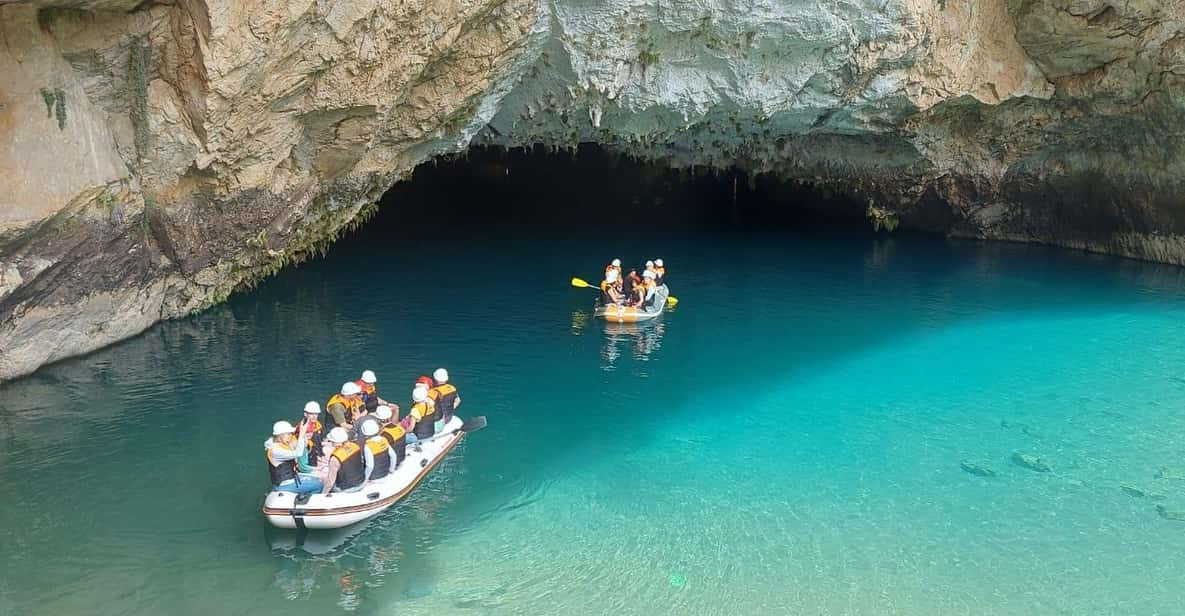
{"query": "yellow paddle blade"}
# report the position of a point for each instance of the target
(576, 282)
(672, 300)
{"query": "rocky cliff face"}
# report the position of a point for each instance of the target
(156, 156)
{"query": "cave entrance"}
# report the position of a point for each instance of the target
(591, 190)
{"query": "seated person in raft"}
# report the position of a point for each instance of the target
(646, 291)
(284, 449)
(346, 471)
(370, 395)
(611, 292)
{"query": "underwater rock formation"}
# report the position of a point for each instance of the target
(158, 156)
(1031, 462)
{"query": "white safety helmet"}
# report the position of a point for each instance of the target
(616, 263)
(649, 274)
(658, 262)
(649, 264)
(312, 408)
(368, 377)
(370, 428)
(419, 394)
(282, 427)
(350, 388)
(337, 435)
(383, 412)
(611, 276)
(440, 376)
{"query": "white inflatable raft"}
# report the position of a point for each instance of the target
(339, 509)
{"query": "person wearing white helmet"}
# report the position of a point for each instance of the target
(283, 450)
(660, 271)
(310, 425)
(376, 455)
(444, 396)
(370, 394)
(422, 414)
(614, 266)
(649, 267)
(648, 289)
(345, 407)
(611, 288)
(395, 434)
(346, 470)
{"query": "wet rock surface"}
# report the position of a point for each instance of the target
(158, 156)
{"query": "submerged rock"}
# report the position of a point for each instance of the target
(1031, 462)
(1139, 493)
(1166, 472)
(976, 469)
(1171, 514)
(1132, 491)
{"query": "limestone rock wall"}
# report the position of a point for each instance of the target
(157, 156)
(208, 143)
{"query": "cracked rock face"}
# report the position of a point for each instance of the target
(155, 157)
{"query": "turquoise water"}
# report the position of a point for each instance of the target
(789, 440)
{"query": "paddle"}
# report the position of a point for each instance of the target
(473, 424)
(577, 282)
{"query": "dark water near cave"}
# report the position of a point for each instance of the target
(789, 440)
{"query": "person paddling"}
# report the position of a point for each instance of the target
(444, 396)
(283, 450)
(611, 288)
(660, 271)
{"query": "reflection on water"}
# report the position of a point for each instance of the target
(638, 340)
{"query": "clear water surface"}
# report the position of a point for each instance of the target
(789, 441)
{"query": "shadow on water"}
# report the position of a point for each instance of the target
(467, 266)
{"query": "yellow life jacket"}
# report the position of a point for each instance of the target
(345, 451)
(381, 452)
(444, 399)
(420, 410)
(376, 445)
(352, 471)
(351, 406)
(394, 433)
